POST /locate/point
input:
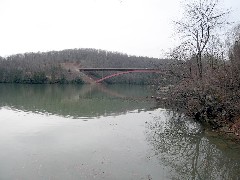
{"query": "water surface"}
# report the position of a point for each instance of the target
(104, 132)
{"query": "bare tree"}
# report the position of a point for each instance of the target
(234, 54)
(201, 20)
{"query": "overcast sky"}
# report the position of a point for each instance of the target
(136, 27)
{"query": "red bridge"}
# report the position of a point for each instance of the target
(123, 71)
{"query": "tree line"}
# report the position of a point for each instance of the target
(62, 66)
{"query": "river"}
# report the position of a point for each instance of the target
(104, 132)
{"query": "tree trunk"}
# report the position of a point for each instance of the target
(199, 65)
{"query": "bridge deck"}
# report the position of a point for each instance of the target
(116, 69)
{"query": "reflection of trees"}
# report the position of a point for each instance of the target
(75, 100)
(181, 145)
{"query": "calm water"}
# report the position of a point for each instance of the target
(104, 132)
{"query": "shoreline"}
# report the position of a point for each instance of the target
(227, 130)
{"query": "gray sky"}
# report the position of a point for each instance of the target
(136, 27)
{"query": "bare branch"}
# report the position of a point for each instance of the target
(202, 19)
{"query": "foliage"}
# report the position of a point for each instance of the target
(39, 78)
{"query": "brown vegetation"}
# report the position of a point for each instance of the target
(211, 90)
(213, 98)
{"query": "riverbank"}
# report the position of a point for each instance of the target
(214, 108)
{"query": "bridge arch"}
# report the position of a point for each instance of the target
(127, 72)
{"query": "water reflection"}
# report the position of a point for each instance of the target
(113, 142)
(76, 101)
(181, 144)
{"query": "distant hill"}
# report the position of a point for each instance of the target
(62, 67)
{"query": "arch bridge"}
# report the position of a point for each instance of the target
(121, 71)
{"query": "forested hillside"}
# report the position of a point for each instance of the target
(62, 67)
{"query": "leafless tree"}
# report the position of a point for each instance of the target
(201, 20)
(234, 54)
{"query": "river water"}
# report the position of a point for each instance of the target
(104, 132)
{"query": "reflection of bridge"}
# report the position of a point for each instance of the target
(123, 71)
